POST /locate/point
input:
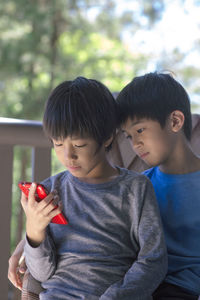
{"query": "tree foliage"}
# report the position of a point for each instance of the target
(46, 42)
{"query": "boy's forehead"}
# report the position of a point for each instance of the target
(78, 136)
(73, 137)
(130, 122)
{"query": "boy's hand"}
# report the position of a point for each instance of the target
(15, 271)
(38, 214)
(17, 266)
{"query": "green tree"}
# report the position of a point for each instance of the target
(45, 42)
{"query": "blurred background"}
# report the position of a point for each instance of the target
(44, 42)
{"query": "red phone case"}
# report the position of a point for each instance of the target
(41, 193)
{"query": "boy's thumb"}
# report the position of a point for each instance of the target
(22, 266)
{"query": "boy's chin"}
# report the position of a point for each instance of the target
(151, 164)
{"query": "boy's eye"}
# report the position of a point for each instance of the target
(80, 146)
(58, 145)
(140, 130)
(129, 137)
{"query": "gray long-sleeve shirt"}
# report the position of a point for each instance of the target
(113, 246)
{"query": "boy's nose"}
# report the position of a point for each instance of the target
(70, 154)
(136, 142)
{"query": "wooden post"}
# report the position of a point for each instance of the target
(6, 167)
(41, 163)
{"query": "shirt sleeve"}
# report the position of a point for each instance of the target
(41, 261)
(150, 268)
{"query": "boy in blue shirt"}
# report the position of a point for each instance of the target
(154, 113)
(113, 247)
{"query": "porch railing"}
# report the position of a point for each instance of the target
(14, 132)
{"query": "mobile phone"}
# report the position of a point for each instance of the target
(40, 194)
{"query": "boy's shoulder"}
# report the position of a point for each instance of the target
(132, 177)
(139, 186)
(54, 181)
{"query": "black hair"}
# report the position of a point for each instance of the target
(154, 96)
(82, 107)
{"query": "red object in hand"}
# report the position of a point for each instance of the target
(40, 194)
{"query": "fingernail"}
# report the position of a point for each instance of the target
(22, 269)
(55, 199)
(55, 202)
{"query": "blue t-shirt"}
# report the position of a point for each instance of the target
(179, 202)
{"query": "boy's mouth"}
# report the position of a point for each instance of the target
(143, 155)
(73, 168)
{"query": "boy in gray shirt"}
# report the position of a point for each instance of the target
(113, 246)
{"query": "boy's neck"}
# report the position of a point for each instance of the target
(182, 161)
(103, 174)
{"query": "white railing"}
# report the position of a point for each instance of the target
(14, 132)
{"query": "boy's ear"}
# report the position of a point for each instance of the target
(108, 142)
(177, 120)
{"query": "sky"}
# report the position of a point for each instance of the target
(178, 28)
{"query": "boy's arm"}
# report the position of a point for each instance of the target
(39, 248)
(151, 265)
(17, 266)
(41, 260)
